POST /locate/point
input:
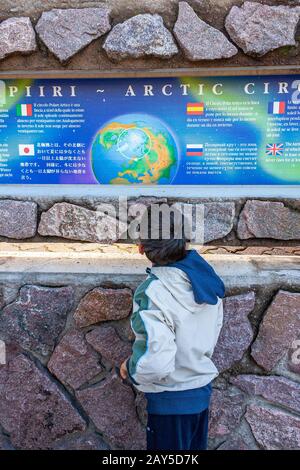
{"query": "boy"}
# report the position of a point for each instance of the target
(177, 317)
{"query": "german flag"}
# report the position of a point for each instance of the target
(195, 109)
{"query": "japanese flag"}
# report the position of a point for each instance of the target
(26, 150)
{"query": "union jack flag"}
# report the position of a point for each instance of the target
(276, 150)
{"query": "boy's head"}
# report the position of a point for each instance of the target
(162, 237)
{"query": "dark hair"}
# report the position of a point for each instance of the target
(166, 246)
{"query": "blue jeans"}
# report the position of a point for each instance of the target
(177, 432)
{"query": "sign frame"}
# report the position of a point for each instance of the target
(153, 73)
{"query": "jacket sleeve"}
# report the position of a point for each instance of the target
(154, 349)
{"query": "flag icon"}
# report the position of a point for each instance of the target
(24, 110)
(195, 109)
(274, 150)
(26, 150)
(194, 150)
(277, 107)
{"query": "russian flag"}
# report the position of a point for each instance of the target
(194, 150)
(26, 150)
(277, 107)
(24, 110)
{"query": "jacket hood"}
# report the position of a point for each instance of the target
(206, 285)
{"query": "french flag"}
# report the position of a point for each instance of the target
(194, 150)
(277, 107)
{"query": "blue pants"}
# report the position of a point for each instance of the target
(177, 432)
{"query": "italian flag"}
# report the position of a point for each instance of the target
(24, 110)
(195, 109)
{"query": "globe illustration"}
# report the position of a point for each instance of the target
(134, 149)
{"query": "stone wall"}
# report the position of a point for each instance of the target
(66, 331)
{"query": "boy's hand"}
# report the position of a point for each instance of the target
(123, 370)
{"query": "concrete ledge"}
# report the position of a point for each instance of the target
(84, 260)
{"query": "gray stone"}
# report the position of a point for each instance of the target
(124, 330)
(218, 221)
(273, 429)
(5, 443)
(235, 443)
(18, 219)
(226, 410)
(16, 35)
(140, 36)
(278, 390)
(33, 410)
(199, 40)
(78, 223)
(268, 219)
(36, 318)
(146, 201)
(101, 304)
(279, 329)
(73, 361)
(66, 32)
(106, 341)
(111, 406)
(258, 29)
(236, 334)
(138, 206)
